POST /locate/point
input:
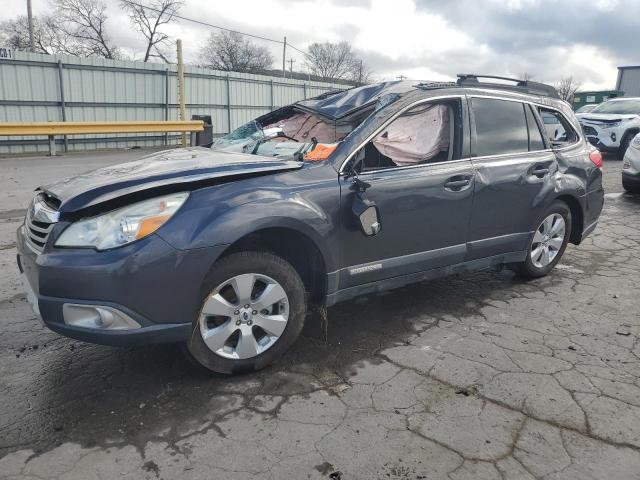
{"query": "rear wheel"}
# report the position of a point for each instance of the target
(253, 310)
(548, 243)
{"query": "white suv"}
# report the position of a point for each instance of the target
(611, 126)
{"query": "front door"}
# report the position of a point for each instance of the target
(423, 192)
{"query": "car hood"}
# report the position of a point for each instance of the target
(605, 117)
(170, 168)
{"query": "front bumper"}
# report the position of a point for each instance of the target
(151, 282)
(604, 139)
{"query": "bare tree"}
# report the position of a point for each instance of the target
(48, 36)
(148, 17)
(567, 88)
(83, 21)
(331, 60)
(526, 76)
(361, 74)
(230, 51)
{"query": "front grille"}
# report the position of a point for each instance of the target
(589, 131)
(39, 221)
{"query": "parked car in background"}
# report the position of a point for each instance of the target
(611, 126)
(631, 167)
(585, 109)
(224, 249)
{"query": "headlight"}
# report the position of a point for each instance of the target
(611, 125)
(636, 141)
(122, 226)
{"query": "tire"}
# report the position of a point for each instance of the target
(248, 346)
(630, 187)
(624, 145)
(536, 266)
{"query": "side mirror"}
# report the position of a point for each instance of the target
(367, 214)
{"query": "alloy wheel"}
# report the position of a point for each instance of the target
(548, 240)
(244, 316)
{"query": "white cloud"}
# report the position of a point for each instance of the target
(426, 39)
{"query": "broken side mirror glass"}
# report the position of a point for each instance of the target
(367, 213)
(365, 210)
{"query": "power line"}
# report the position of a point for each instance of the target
(206, 24)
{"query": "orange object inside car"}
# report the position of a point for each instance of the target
(320, 152)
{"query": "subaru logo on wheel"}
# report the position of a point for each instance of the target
(245, 316)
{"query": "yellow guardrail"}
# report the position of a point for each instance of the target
(53, 129)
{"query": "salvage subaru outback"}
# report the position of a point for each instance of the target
(224, 249)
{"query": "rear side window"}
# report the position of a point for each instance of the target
(557, 128)
(535, 137)
(501, 127)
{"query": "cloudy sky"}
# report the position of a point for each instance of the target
(423, 39)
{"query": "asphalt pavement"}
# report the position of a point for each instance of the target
(481, 376)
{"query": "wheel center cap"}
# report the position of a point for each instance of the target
(245, 315)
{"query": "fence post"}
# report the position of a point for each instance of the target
(229, 103)
(272, 101)
(63, 108)
(305, 90)
(183, 113)
(166, 102)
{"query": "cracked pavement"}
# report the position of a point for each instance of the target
(481, 376)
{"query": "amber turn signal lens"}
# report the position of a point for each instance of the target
(150, 225)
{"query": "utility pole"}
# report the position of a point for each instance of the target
(291, 62)
(284, 57)
(360, 73)
(183, 111)
(401, 77)
(30, 20)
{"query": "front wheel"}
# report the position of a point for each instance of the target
(548, 243)
(253, 310)
(630, 187)
(624, 145)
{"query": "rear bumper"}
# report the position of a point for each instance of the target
(154, 284)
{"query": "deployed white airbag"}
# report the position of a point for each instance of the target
(416, 136)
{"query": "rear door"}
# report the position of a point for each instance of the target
(514, 167)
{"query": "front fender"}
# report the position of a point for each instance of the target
(206, 227)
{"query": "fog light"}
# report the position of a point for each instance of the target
(97, 317)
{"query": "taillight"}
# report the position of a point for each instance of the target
(596, 157)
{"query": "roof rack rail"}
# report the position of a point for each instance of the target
(428, 85)
(534, 88)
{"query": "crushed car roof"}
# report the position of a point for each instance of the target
(339, 103)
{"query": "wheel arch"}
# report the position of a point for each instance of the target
(629, 134)
(577, 216)
(293, 245)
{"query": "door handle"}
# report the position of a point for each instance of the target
(457, 185)
(540, 171)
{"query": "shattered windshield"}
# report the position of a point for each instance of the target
(296, 133)
(291, 134)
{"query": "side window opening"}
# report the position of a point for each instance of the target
(536, 141)
(500, 127)
(557, 128)
(427, 133)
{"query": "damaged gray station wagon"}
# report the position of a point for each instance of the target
(224, 249)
